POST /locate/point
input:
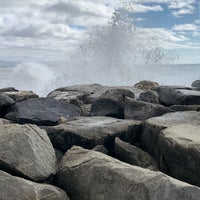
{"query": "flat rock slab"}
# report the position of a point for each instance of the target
(87, 174)
(133, 155)
(89, 132)
(171, 140)
(15, 188)
(178, 96)
(139, 110)
(26, 150)
(41, 111)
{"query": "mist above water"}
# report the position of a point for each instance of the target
(117, 53)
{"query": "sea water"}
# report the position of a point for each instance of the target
(45, 77)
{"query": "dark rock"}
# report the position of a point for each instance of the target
(89, 132)
(196, 84)
(140, 110)
(173, 139)
(25, 150)
(59, 154)
(178, 96)
(41, 111)
(150, 97)
(15, 188)
(111, 103)
(146, 85)
(100, 148)
(185, 107)
(8, 89)
(5, 102)
(86, 174)
(133, 155)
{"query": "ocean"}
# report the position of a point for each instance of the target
(45, 77)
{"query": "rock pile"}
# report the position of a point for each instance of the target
(100, 142)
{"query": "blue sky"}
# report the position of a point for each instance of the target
(47, 30)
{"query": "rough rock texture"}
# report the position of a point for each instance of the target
(196, 84)
(5, 121)
(185, 107)
(100, 148)
(149, 96)
(111, 103)
(177, 147)
(41, 111)
(87, 174)
(89, 132)
(140, 110)
(15, 188)
(146, 85)
(133, 155)
(178, 96)
(26, 150)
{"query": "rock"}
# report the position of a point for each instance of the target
(59, 154)
(41, 111)
(8, 89)
(179, 152)
(89, 132)
(5, 121)
(139, 110)
(149, 96)
(111, 103)
(87, 174)
(185, 107)
(25, 150)
(133, 155)
(5, 102)
(196, 84)
(174, 140)
(20, 95)
(15, 188)
(146, 85)
(100, 148)
(178, 96)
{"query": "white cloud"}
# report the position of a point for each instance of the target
(139, 8)
(185, 27)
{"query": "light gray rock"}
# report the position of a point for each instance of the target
(26, 150)
(15, 188)
(139, 110)
(173, 140)
(178, 96)
(5, 121)
(133, 155)
(87, 174)
(146, 85)
(89, 132)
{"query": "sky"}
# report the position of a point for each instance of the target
(47, 30)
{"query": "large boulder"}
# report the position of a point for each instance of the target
(185, 107)
(41, 111)
(146, 85)
(140, 110)
(87, 174)
(133, 155)
(5, 102)
(111, 103)
(196, 84)
(89, 132)
(15, 188)
(178, 96)
(173, 139)
(25, 150)
(149, 96)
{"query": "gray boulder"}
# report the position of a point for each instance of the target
(149, 96)
(133, 155)
(41, 111)
(111, 103)
(87, 174)
(100, 148)
(185, 107)
(5, 102)
(196, 84)
(89, 132)
(25, 150)
(178, 96)
(146, 85)
(139, 110)
(173, 139)
(15, 188)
